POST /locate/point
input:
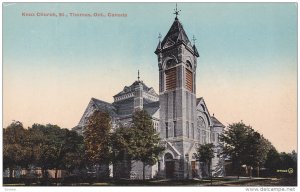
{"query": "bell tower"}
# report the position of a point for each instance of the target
(177, 63)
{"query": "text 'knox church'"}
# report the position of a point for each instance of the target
(181, 119)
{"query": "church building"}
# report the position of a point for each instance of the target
(182, 120)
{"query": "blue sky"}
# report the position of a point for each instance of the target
(52, 66)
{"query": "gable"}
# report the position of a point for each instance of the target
(168, 43)
(169, 148)
(202, 110)
(96, 104)
(88, 111)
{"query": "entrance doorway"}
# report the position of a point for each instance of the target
(170, 169)
(194, 171)
(169, 166)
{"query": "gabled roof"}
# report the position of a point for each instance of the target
(104, 106)
(198, 100)
(124, 107)
(216, 122)
(151, 108)
(130, 88)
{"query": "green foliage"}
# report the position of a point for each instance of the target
(273, 160)
(122, 143)
(42, 146)
(288, 160)
(139, 142)
(257, 148)
(52, 147)
(244, 145)
(235, 140)
(75, 150)
(15, 152)
(205, 152)
(281, 161)
(97, 138)
(146, 147)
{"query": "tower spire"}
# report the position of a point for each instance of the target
(194, 39)
(158, 48)
(138, 75)
(176, 12)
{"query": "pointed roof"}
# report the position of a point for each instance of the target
(176, 35)
(216, 122)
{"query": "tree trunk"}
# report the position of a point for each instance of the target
(44, 176)
(257, 171)
(11, 172)
(56, 171)
(56, 175)
(143, 171)
(43, 173)
(239, 169)
(210, 173)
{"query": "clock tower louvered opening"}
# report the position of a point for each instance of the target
(189, 80)
(171, 79)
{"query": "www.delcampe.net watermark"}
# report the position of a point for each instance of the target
(270, 189)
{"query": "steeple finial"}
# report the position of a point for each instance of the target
(194, 39)
(176, 12)
(159, 36)
(138, 75)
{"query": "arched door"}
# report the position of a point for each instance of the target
(169, 165)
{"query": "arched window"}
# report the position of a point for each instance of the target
(188, 64)
(200, 122)
(168, 156)
(170, 63)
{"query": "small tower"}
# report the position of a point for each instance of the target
(177, 62)
(138, 94)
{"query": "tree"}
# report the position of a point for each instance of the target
(52, 147)
(122, 143)
(140, 142)
(245, 146)
(273, 161)
(205, 153)
(74, 157)
(235, 141)
(289, 161)
(96, 139)
(258, 148)
(146, 147)
(44, 146)
(49, 149)
(15, 152)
